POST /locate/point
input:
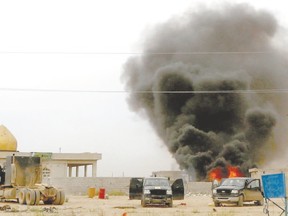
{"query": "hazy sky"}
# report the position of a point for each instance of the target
(81, 45)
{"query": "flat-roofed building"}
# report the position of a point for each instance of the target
(59, 165)
(54, 165)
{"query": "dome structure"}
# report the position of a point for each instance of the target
(7, 141)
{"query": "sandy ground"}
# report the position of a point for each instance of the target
(197, 205)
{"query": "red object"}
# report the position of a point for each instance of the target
(101, 193)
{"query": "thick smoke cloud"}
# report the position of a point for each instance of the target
(216, 59)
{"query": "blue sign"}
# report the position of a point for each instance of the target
(274, 185)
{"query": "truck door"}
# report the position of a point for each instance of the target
(136, 188)
(178, 189)
(253, 190)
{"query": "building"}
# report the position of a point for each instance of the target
(54, 165)
(172, 175)
(75, 173)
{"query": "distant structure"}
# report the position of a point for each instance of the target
(172, 175)
(54, 165)
(257, 173)
(7, 140)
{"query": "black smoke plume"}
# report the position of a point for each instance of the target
(206, 81)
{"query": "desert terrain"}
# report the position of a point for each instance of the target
(193, 204)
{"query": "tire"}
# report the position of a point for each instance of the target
(30, 197)
(216, 204)
(60, 198)
(240, 202)
(170, 204)
(22, 196)
(37, 196)
(260, 202)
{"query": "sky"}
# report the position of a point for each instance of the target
(61, 64)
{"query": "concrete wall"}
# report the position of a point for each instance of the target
(56, 169)
(80, 186)
(199, 188)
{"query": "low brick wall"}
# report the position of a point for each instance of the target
(80, 186)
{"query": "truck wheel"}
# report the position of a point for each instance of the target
(216, 204)
(60, 198)
(260, 202)
(170, 204)
(57, 198)
(30, 197)
(240, 202)
(37, 196)
(22, 196)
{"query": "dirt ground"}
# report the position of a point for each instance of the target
(198, 205)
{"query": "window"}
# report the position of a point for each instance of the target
(254, 184)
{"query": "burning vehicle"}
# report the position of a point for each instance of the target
(156, 191)
(237, 190)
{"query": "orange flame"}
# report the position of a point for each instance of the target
(230, 171)
(215, 174)
(234, 171)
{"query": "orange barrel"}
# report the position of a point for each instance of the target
(91, 192)
(101, 193)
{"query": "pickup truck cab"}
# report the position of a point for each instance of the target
(156, 191)
(238, 190)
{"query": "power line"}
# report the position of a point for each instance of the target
(252, 91)
(134, 53)
(60, 90)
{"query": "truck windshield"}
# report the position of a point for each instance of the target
(156, 182)
(233, 182)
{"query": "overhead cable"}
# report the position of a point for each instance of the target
(247, 91)
(135, 53)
